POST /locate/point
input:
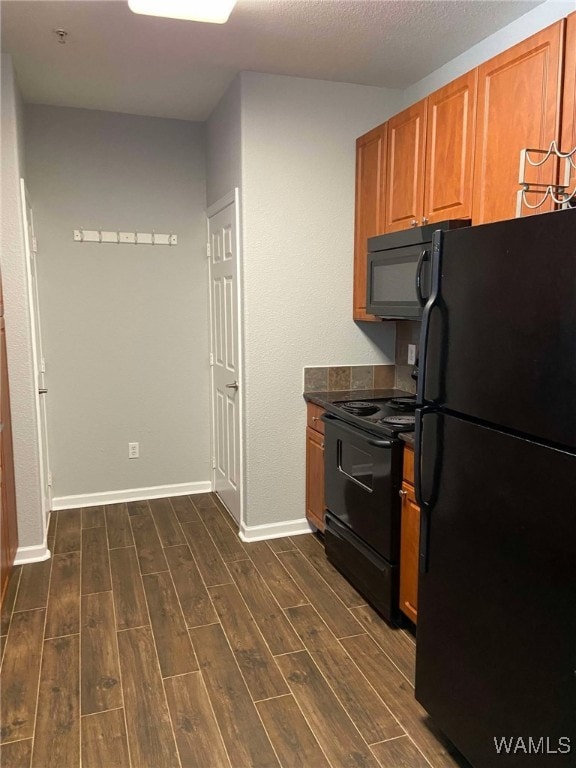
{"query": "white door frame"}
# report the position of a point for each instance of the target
(38, 364)
(228, 199)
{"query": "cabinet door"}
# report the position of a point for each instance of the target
(369, 214)
(518, 107)
(405, 168)
(568, 141)
(409, 544)
(450, 150)
(314, 417)
(315, 478)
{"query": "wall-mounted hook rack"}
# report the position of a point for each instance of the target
(558, 193)
(134, 238)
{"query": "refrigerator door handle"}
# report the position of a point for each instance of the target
(431, 303)
(432, 471)
(418, 425)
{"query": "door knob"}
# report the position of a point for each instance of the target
(424, 220)
(402, 493)
(414, 223)
(234, 385)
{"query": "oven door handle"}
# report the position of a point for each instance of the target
(373, 441)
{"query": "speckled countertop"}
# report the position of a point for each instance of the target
(326, 398)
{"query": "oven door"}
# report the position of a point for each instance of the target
(373, 576)
(363, 474)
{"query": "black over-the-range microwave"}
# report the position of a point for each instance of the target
(398, 274)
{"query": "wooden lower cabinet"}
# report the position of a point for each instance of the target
(409, 544)
(315, 505)
(409, 541)
(8, 524)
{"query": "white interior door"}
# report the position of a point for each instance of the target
(226, 354)
(37, 351)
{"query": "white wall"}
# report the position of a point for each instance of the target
(17, 314)
(538, 18)
(223, 145)
(298, 214)
(125, 327)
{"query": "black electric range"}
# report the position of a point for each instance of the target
(382, 416)
(363, 477)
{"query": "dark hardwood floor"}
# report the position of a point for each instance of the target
(155, 638)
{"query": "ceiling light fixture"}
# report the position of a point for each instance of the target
(212, 11)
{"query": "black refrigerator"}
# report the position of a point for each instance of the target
(496, 482)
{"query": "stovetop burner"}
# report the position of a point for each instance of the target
(382, 415)
(399, 421)
(402, 403)
(359, 408)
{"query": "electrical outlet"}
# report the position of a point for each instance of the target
(133, 450)
(411, 354)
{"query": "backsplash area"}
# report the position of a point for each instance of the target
(348, 377)
(407, 332)
(337, 378)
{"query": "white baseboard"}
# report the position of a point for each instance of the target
(35, 554)
(130, 494)
(274, 530)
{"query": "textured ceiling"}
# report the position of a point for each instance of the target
(119, 61)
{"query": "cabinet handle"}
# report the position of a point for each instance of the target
(424, 220)
(414, 223)
(315, 418)
(321, 445)
(402, 493)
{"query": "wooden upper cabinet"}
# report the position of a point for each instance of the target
(451, 116)
(456, 154)
(568, 136)
(518, 107)
(369, 214)
(405, 172)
